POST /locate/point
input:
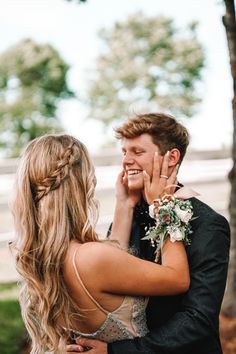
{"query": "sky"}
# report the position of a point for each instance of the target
(72, 30)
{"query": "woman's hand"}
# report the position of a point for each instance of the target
(123, 194)
(160, 183)
(124, 208)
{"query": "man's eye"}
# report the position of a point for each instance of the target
(138, 152)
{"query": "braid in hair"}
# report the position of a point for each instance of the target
(53, 181)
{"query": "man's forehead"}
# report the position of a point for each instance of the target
(141, 141)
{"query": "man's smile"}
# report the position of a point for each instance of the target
(134, 172)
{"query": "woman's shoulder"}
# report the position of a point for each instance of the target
(95, 253)
(99, 246)
(97, 262)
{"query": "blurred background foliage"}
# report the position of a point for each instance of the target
(32, 83)
(147, 63)
(13, 337)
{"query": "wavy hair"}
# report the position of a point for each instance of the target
(54, 204)
(164, 130)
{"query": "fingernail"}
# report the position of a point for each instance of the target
(168, 153)
(156, 153)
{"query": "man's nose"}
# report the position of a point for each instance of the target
(128, 159)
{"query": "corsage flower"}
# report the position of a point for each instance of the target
(172, 214)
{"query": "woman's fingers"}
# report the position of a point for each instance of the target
(74, 348)
(147, 186)
(160, 183)
(163, 177)
(165, 166)
(160, 172)
(146, 181)
(121, 179)
(125, 179)
(156, 167)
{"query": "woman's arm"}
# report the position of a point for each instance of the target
(112, 270)
(123, 215)
(121, 227)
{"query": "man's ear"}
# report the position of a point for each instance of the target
(174, 157)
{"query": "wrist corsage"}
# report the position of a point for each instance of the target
(172, 216)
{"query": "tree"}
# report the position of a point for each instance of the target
(146, 62)
(229, 21)
(32, 82)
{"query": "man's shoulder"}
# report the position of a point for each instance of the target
(209, 224)
(205, 213)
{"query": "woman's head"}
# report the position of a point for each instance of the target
(54, 204)
(57, 175)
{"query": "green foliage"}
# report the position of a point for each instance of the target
(32, 82)
(13, 332)
(147, 64)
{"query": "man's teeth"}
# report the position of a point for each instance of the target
(134, 172)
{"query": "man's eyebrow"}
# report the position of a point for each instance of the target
(134, 148)
(137, 147)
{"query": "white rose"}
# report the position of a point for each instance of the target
(151, 211)
(176, 234)
(184, 215)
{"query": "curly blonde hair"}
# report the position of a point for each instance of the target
(54, 204)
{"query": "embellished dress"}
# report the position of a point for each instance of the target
(126, 322)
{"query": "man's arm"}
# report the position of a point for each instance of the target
(196, 323)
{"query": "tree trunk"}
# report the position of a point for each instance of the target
(229, 304)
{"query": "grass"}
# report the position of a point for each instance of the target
(12, 328)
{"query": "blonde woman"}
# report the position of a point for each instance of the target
(70, 279)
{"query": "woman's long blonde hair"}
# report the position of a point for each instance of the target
(54, 204)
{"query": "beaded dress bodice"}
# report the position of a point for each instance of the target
(126, 322)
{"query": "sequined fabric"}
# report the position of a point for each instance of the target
(127, 322)
(139, 322)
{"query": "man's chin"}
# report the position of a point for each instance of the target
(135, 186)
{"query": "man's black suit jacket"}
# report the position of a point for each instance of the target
(189, 323)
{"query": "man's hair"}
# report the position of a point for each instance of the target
(164, 130)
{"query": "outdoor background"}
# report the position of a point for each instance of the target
(71, 29)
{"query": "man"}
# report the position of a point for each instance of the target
(186, 323)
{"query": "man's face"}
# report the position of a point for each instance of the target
(138, 156)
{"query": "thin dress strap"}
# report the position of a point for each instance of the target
(84, 287)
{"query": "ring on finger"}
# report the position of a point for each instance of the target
(164, 176)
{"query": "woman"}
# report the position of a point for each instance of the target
(71, 280)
